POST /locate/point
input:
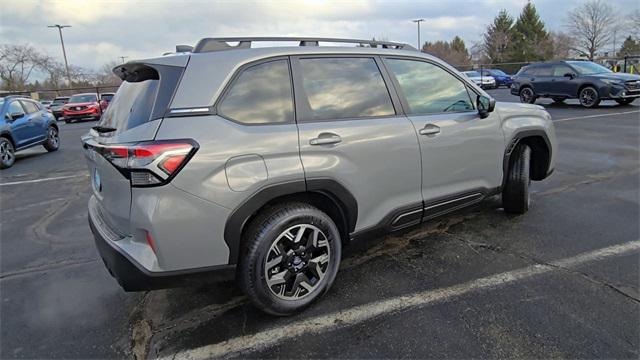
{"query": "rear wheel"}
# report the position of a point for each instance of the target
(7, 153)
(527, 95)
(53, 139)
(589, 97)
(515, 195)
(625, 101)
(291, 256)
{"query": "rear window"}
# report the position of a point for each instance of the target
(106, 97)
(144, 95)
(131, 106)
(83, 98)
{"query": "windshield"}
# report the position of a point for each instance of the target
(83, 98)
(107, 97)
(588, 67)
(59, 101)
(472, 73)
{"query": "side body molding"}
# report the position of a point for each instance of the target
(336, 192)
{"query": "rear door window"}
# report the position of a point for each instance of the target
(29, 107)
(261, 94)
(341, 88)
(543, 70)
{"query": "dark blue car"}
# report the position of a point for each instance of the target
(502, 79)
(24, 123)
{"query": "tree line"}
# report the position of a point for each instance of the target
(20, 64)
(589, 31)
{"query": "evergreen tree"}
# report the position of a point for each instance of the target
(531, 39)
(498, 38)
(629, 47)
(454, 52)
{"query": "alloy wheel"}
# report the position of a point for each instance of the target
(53, 138)
(297, 261)
(7, 153)
(588, 97)
(526, 95)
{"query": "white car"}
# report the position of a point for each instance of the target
(485, 82)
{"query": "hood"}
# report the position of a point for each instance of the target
(617, 76)
(517, 107)
(80, 104)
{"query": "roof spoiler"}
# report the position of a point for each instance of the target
(136, 72)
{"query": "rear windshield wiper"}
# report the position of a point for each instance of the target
(103, 129)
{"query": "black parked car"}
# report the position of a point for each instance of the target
(584, 80)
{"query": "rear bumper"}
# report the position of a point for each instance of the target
(134, 277)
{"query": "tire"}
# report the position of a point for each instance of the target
(68, 121)
(270, 249)
(558, 100)
(589, 97)
(527, 95)
(7, 153)
(515, 195)
(625, 101)
(53, 139)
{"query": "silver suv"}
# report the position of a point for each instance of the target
(259, 164)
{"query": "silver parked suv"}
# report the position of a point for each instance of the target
(259, 164)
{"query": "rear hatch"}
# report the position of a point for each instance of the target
(126, 130)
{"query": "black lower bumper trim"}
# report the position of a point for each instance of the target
(132, 277)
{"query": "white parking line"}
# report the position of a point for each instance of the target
(41, 180)
(359, 314)
(596, 116)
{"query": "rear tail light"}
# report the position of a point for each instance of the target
(149, 163)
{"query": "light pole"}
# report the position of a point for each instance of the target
(64, 52)
(123, 57)
(418, 21)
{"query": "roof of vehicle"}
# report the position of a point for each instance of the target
(82, 94)
(61, 97)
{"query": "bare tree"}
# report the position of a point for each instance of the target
(17, 64)
(634, 22)
(590, 25)
(105, 75)
(563, 45)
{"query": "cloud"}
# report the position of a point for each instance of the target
(102, 31)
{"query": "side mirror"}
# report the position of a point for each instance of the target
(15, 115)
(570, 75)
(485, 105)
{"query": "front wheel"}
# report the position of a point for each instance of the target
(515, 195)
(527, 95)
(626, 101)
(589, 97)
(53, 139)
(290, 257)
(7, 153)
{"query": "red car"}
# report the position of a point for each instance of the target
(82, 106)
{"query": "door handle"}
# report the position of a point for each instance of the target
(325, 139)
(429, 129)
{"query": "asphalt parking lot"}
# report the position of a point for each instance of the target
(561, 281)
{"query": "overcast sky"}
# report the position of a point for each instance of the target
(104, 30)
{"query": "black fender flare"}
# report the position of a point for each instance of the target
(7, 134)
(514, 141)
(330, 188)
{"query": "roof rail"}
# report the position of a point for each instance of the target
(219, 44)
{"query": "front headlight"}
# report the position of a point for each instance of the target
(613, 82)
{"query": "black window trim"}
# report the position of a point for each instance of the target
(303, 115)
(403, 98)
(229, 84)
